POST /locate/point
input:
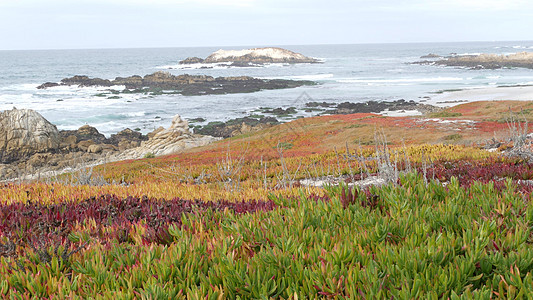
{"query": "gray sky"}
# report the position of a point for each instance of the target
(67, 24)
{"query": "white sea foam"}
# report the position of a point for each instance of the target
(312, 77)
(400, 80)
(19, 87)
(134, 114)
(301, 77)
(518, 47)
(470, 54)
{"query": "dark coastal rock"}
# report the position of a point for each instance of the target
(236, 126)
(485, 61)
(189, 85)
(127, 135)
(191, 60)
(47, 85)
(377, 107)
(320, 104)
(431, 55)
(243, 64)
(131, 82)
(251, 57)
(84, 133)
(88, 139)
(196, 120)
(281, 111)
(84, 81)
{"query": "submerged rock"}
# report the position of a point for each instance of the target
(255, 56)
(24, 132)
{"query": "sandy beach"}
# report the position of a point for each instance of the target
(522, 93)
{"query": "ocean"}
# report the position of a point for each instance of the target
(354, 73)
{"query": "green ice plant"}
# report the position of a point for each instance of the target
(415, 239)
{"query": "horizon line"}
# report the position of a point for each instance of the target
(272, 45)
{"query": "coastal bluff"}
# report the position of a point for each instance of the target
(251, 57)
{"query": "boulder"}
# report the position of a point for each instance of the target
(125, 144)
(95, 148)
(84, 145)
(25, 132)
(84, 133)
(127, 135)
(71, 141)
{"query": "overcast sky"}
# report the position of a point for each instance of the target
(68, 24)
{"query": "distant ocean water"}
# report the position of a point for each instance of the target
(354, 73)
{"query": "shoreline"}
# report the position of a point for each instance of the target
(453, 98)
(415, 109)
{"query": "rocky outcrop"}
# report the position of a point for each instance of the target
(84, 133)
(377, 107)
(24, 132)
(168, 141)
(127, 135)
(236, 126)
(255, 56)
(86, 81)
(431, 55)
(31, 146)
(192, 60)
(190, 85)
(486, 61)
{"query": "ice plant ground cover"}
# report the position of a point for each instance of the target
(405, 241)
(234, 220)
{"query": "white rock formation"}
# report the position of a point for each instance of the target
(276, 54)
(253, 56)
